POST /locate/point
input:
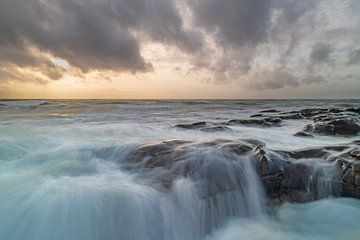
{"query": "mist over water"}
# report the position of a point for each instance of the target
(63, 175)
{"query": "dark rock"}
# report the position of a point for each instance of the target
(270, 111)
(256, 115)
(303, 134)
(273, 120)
(193, 125)
(291, 116)
(214, 128)
(355, 110)
(310, 112)
(203, 126)
(264, 122)
(309, 128)
(347, 126)
(296, 176)
(217, 166)
(355, 153)
(310, 153)
(357, 180)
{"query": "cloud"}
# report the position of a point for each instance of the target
(313, 79)
(273, 79)
(233, 22)
(354, 57)
(265, 44)
(102, 35)
(320, 53)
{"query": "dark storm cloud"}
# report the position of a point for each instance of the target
(89, 34)
(235, 23)
(241, 27)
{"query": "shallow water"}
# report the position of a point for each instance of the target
(61, 174)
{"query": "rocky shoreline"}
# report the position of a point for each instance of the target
(332, 121)
(301, 175)
(286, 175)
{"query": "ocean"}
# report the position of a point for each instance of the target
(79, 170)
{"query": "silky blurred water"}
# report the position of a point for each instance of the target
(61, 174)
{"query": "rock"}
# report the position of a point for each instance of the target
(264, 122)
(203, 126)
(214, 128)
(349, 178)
(303, 134)
(256, 115)
(296, 176)
(290, 116)
(310, 112)
(357, 180)
(310, 153)
(273, 120)
(309, 128)
(193, 125)
(355, 110)
(270, 111)
(355, 153)
(356, 167)
(347, 126)
(216, 166)
(262, 161)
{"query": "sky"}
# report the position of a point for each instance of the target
(174, 49)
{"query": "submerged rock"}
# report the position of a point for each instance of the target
(270, 111)
(193, 125)
(263, 122)
(203, 126)
(303, 134)
(290, 116)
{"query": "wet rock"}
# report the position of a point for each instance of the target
(270, 111)
(348, 178)
(309, 128)
(256, 115)
(355, 110)
(193, 125)
(203, 126)
(357, 180)
(262, 161)
(217, 166)
(355, 167)
(310, 112)
(303, 134)
(296, 176)
(214, 128)
(290, 116)
(264, 122)
(310, 153)
(346, 126)
(355, 153)
(273, 120)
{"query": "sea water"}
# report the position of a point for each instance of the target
(62, 175)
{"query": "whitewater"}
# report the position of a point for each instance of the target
(65, 175)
